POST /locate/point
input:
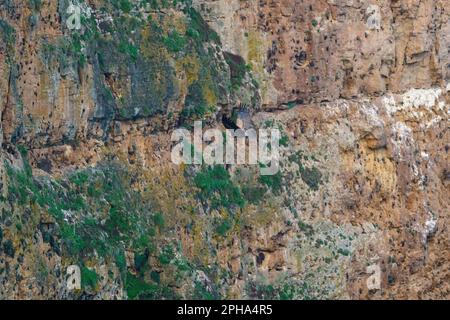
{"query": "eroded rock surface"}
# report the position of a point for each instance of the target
(308, 50)
(360, 90)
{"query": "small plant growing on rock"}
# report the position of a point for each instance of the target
(89, 278)
(311, 176)
(8, 248)
(216, 186)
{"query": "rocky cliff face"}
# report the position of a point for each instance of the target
(317, 51)
(359, 89)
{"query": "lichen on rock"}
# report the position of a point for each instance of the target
(359, 91)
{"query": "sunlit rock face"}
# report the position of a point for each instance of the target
(322, 50)
(92, 207)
